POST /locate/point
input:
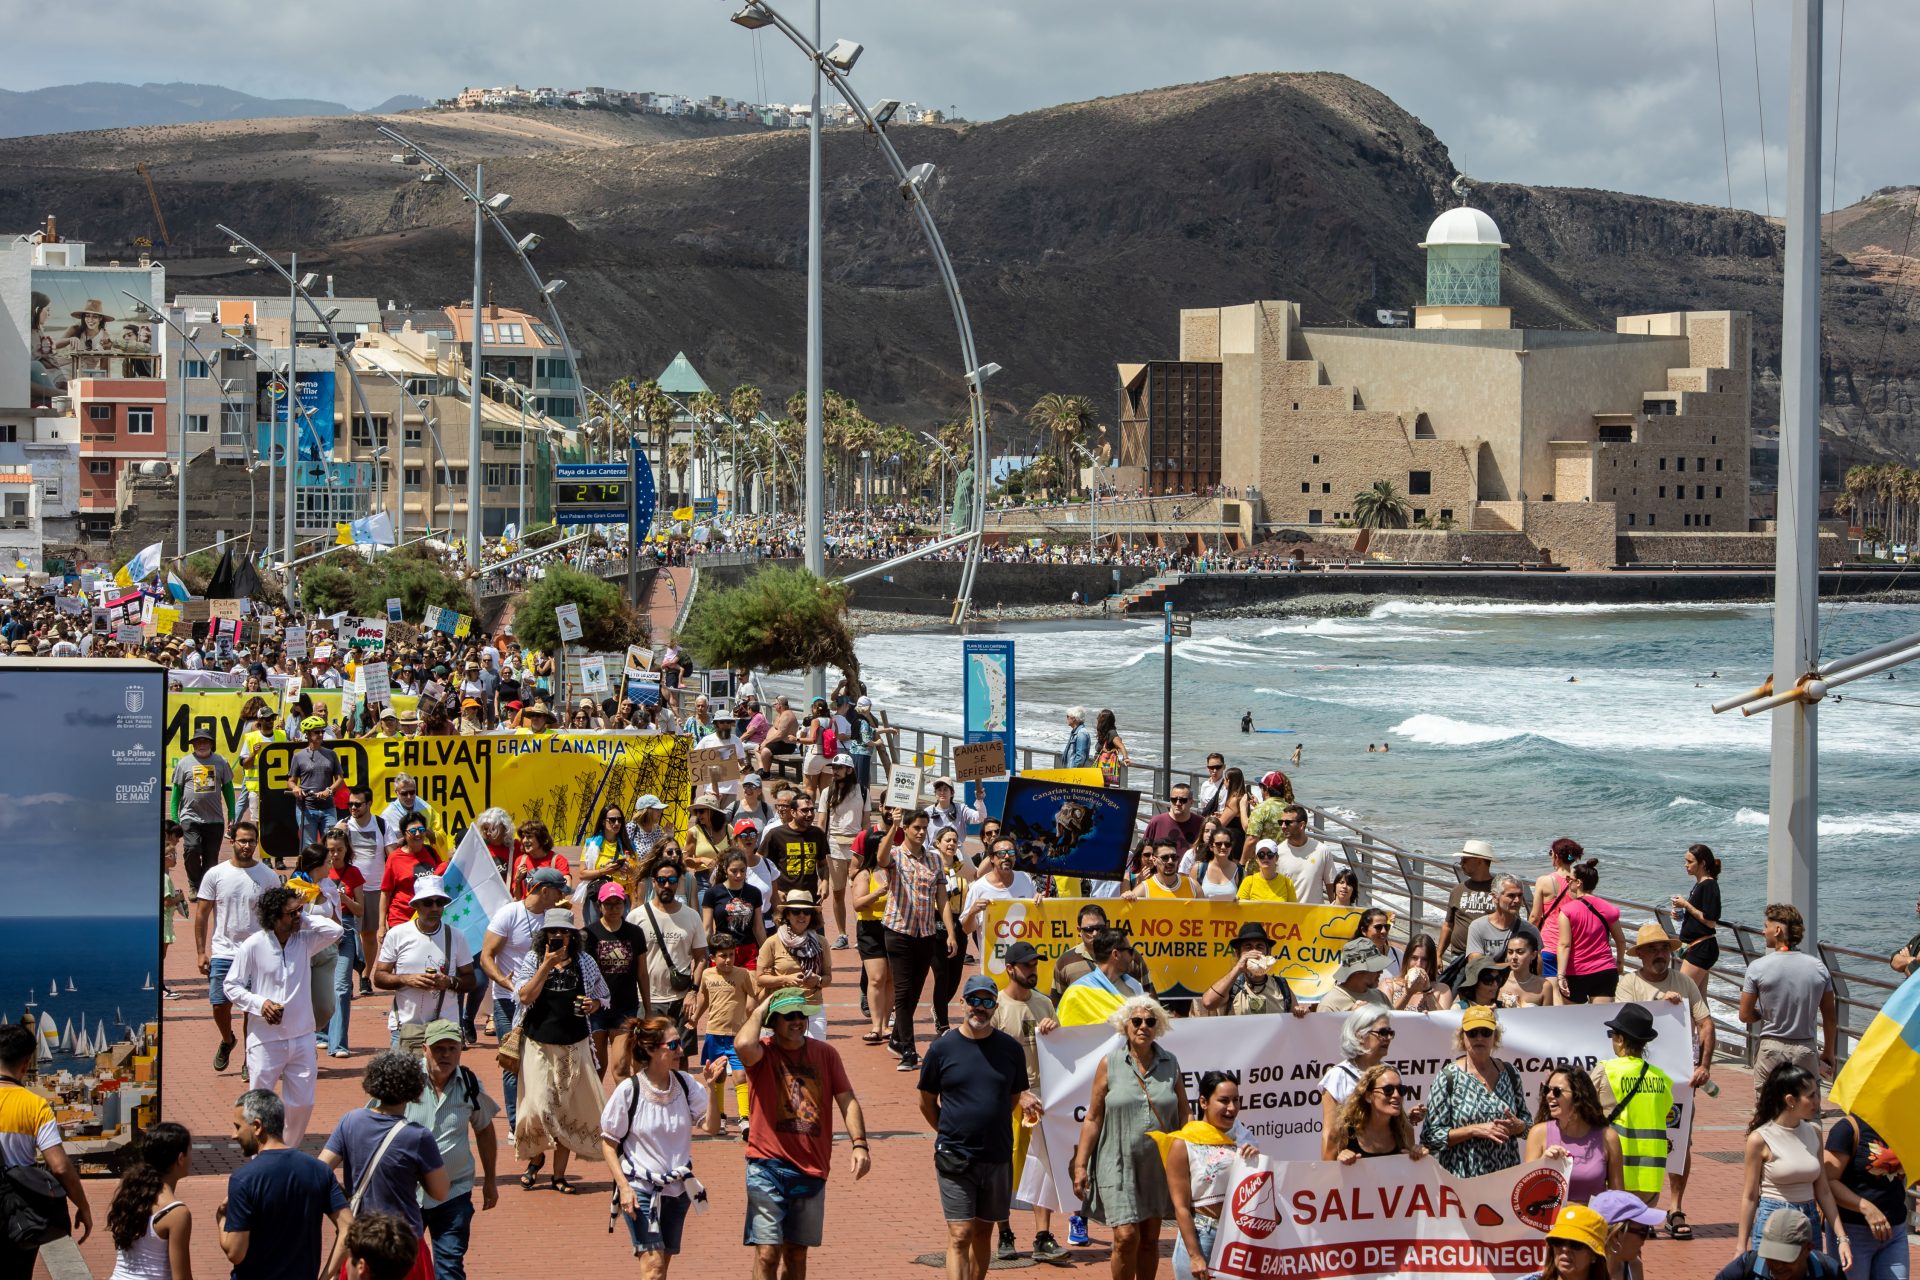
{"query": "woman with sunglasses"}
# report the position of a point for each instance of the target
(415, 856)
(646, 1139)
(1199, 1159)
(1218, 877)
(1265, 881)
(608, 853)
(1372, 1121)
(1117, 1172)
(1570, 1125)
(796, 955)
(1365, 1038)
(557, 987)
(1475, 1109)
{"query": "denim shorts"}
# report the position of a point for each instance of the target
(784, 1205)
(673, 1219)
(217, 980)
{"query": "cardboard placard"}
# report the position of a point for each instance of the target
(639, 659)
(712, 766)
(903, 787)
(975, 761)
(294, 642)
(224, 609)
(593, 675)
(568, 616)
(372, 679)
(128, 633)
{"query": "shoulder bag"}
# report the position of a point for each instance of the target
(366, 1174)
(677, 978)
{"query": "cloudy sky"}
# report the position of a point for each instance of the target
(1622, 96)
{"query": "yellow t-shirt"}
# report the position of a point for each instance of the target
(878, 907)
(1154, 889)
(27, 1126)
(1258, 888)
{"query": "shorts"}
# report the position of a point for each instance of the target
(1582, 988)
(984, 1193)
(782, 748)
(1702, 953)
(870, 939)
(611, 1020)
(784, 1205)
(217, 980)
(673, 1219)
(815, 765)
(720, 1047)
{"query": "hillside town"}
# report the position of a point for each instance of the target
(710, 107)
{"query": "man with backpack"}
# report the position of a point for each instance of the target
(456, 1108)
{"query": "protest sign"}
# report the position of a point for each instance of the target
(903, 787)
(394, 610)
(715, 766)
(224, 713)
(445, 621)
(69, 604)
(1280, 1059)
(593, 675)
(369, 634)
(974, 761)
(164, 618)
(1186, 942)
(563, 779)
(639, 658)
(568, 616)
(227, 609)
(294, 642)
(1062, 828)
(643, 687)
(372, 679)
(128, 633)
(1393, 1218)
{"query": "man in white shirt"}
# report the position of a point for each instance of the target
(370, 836)
(269, 980)
(223, 918)
(510, 935)
(946, 812)
(406, 803)
(1305, 861)
(423, 962)
(1211, 793)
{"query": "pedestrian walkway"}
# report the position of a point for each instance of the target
(888, 1225)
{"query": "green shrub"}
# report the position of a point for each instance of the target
(607, 623)
(777, 620)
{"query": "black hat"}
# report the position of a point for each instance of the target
(1251, 931)
(1634, 1022)
(1022, 953)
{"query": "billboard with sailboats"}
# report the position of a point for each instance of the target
(80, 922)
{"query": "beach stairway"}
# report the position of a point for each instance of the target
(1143, 595)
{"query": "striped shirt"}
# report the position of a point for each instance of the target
(913, 901)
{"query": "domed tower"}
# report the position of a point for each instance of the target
(1463, 273)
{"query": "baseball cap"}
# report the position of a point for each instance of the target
(979, 984)
(427, 887)
(547, 877)
(1022, 953)
(1624, 1206)
(1479, 1017)
(751, 780)
(745, 827)
(199, 734)
(649, 801)
(444, 1029)
(612, 889)
(1786, 1236)
(792, 1001)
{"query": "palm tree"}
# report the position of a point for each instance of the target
(1065, 420)
(680, 455)
(1380, 507)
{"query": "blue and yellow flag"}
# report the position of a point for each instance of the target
(1881, 1078)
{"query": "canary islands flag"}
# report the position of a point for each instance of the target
(376, 529)
(1881, 1078)
(140, 568)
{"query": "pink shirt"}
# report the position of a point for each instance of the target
(1589, 923)
(1550, 923)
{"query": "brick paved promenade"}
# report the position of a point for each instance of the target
(888, 1225)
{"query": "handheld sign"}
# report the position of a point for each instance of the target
(225, 609)
(712, 766)
(568, 615)
(593, 675)
(975, 761)
(394, 613)
(903, 787)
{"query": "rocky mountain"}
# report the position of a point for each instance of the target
(1077, 233)
(67, 108)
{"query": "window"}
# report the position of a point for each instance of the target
(1699, 464)
(139, 421)
(1305, 487)
(1658, 408)
(1616, 435)
(1632, 520)
(1717, 464)
(496, 474)
(1709, 519)
(99, 466)
(1649, 519)
(452, 477)
(100, 413)
(1325, 487)
(547, 335)
(193, 368)
(509, 334)
(557, 406)
(1663, 491)
(1446, 513)
(509, 438)
(1419, 482)
(198, 422)
(1679, 464)
(1663, 464)
(1699, 491)
(16, 507)
(423, 386)
(1716, 491)
(8, 433)
(414, 476)
(1313, 516)
(369, 432)
(410, 436)
(1316, 459)
(1419, 514)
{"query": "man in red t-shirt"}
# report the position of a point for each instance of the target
(791, 1080)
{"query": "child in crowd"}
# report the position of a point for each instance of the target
(725, 997)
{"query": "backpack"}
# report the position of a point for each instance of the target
(633, 1105)
(829, 740)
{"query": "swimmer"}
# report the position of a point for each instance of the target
(1573, 679)
(1371, 748)
(1385, 747)
(1297, 747)
(1246, 722)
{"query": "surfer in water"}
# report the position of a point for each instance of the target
(1246, 722)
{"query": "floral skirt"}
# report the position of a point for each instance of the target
(560, 1100)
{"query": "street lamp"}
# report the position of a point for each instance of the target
(519, 393)
(834, 64)
(147, 311)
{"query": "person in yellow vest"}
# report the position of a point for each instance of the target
(1637, 1098)
(263, 731)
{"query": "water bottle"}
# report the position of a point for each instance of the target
(1711, 1088)
(1077, 1228)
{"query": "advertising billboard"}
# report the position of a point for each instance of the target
(83, 326)
(80, 959)
(313, 413)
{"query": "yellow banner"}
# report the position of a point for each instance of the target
(229, 713)
(1078, 777)
(564, 780)
(1187, 943)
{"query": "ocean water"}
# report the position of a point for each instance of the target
(1489, 737)
(107, 958)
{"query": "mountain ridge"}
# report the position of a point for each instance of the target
(100, 104)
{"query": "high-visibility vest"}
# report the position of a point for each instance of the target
(1642, 1123)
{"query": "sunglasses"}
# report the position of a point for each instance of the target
(1181, 800)
(1639, 1232)
(1267, 855)
(1140, 1022)
(614, 817)
(1384, 1033)
(672, 1046)
(1091, 928)
(790, 1017)
(1391, 1090)
(1223, 844)
(1480, 1033)
(982, 1001)
(1554, 1091)
(666, 879)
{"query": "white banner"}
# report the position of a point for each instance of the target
(1280, 1058)
(1390, 1218)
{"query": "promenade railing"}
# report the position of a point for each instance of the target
(1416, 886)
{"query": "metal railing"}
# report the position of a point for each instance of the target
(1415, 886)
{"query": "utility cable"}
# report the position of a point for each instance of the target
(1720, 90)
(1760, 106)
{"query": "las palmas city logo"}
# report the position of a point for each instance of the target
(136, 699)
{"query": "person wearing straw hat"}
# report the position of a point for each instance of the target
(796, 955)
(557, 988)
(86, 345)
(1659, 978)
(536, 719)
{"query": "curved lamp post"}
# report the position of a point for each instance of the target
(297, 287)
(835, 63)
(148, 311)
(520, 246)
(430, 423)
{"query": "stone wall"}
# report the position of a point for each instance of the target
(219, 496)
(927, 587)
(1579, 535)
(1714, 548)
